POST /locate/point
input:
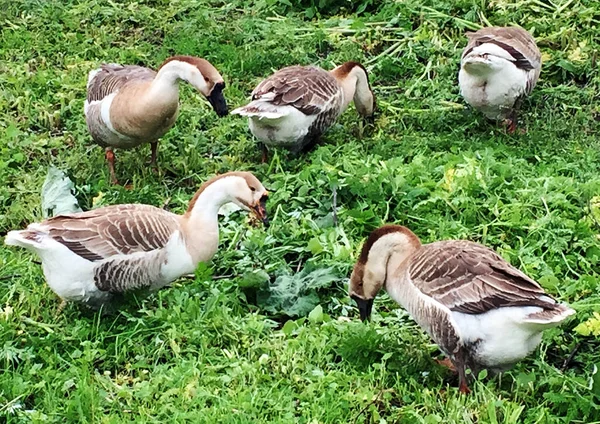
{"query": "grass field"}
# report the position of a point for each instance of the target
(221, 348)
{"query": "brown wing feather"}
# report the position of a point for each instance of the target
(114, 230)
(111, 78)
(307, 88)
(470, 278)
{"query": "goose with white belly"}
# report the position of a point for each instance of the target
(498, 68)
(90, 256)
(130, 105)
(480, 310)
(295, 105)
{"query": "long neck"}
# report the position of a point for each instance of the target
(165, 87)
(388, 253)
(201, 222)
(210, 200)
(355, 86)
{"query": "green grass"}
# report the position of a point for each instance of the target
(208, 349)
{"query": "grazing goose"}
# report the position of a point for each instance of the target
(498, 68)
(297, 104)
(130, 105)
(87, 257)
(480, 310)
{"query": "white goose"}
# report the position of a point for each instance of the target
(480, 310)
(130, 105)
(498, 68)
(89, 256)
(297, 104)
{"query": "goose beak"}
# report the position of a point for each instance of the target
(260, 209)
(365, 306)
(217, 101)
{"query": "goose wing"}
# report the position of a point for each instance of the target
(110, 78)
(517, 42)
(309, 89)
(115, 230)
(470, 278)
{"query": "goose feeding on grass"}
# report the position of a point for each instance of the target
(480, 310)
(295, 105)
(130, 105)
(88, 257)
(498, 68)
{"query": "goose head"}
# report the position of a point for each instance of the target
(354, 80)
(201, 74)
(241, 188)
(385, 249)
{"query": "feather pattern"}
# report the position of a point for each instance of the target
(110, 78)
(309, 89)
(113, 230)
(470, 278)
(517, 42)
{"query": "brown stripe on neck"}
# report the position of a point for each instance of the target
(343, 70)
(383, 231)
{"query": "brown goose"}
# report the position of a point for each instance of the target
(498, 68)
(130, 105)
(297, 104)
(89, 256)
(480, 310)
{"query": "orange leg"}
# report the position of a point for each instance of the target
(110, 157)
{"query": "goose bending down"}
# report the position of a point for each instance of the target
(88, 257)
(297, 104)
(130, 105)
(498, 68)
(480, 310)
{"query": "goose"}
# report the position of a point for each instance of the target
(498, 68)
(130, 105)
(295, 105)
(480, 310)
(88, 257)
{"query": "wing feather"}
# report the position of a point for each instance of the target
(309, 89)
(470, 278)
(111, 77)
(114, 230)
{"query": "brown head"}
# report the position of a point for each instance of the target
(241, 188)
(354, 78)
(370, 272)
(202, 75)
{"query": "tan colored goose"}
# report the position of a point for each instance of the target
(130, 105)
(498, 68)
(297, 104)
(480, 310)
(87, 257)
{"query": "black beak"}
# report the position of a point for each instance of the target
(364, 307)
(261, 210)
(217, 101)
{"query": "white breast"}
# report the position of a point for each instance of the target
(494, 94)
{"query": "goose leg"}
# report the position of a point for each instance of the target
(264, 152)
(153, 150)
(460, 364)
(110, 157)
